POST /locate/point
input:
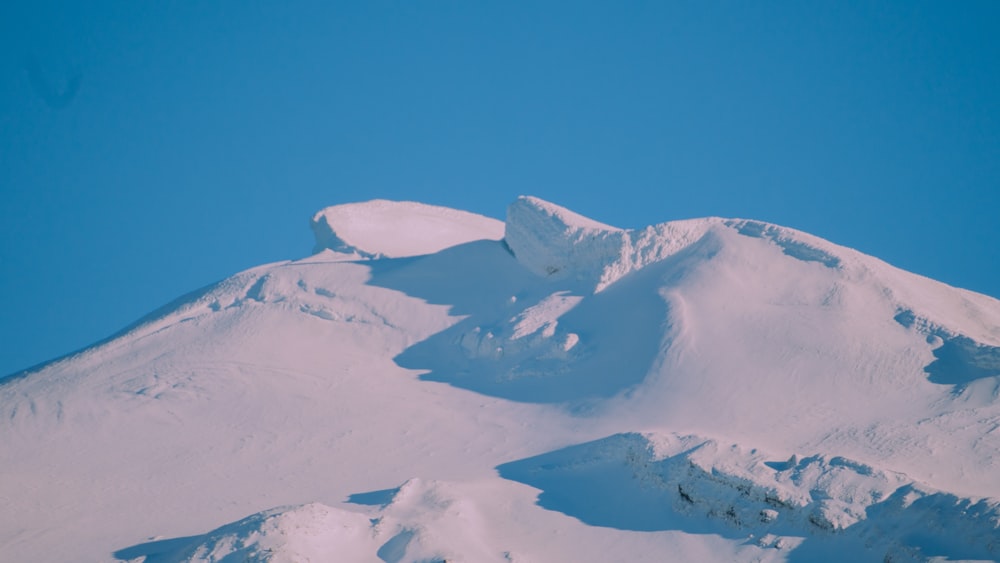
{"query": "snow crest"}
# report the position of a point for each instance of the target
(557, 243)
(396, 229)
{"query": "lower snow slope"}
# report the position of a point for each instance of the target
(708, 390)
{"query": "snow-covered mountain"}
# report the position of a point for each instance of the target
(434, 385)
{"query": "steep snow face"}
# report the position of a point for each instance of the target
(841, 396)
(395, 229)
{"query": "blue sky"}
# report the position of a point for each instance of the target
(151, 148)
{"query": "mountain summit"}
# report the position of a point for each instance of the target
(435, 385)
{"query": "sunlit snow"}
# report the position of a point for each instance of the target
(434, 385)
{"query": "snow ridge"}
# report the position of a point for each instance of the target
(554, 242)
(395, 229)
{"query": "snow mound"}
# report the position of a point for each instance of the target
(419, 521)
(310, 532)
(431, 520)
(396, 229)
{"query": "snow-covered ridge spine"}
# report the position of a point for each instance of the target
(556, 243)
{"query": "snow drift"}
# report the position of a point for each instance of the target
(421, 390)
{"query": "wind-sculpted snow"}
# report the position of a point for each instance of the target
(816, 508)
(416, 347)
(395, 229)
(557, 243)
(418, 521)
(791, 242)
(821, 507)
(959, 360)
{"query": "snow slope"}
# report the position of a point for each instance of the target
(420, 390)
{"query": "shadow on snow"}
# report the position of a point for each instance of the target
(610, 483)
(619, 330)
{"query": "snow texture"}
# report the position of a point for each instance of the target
(555, 242)
(421, 390)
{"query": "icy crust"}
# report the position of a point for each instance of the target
(395, 229)
(781, 503)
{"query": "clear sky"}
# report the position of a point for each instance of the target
(151, 148)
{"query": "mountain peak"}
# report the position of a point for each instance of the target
(701, 381)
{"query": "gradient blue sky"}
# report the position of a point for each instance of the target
(204, 135)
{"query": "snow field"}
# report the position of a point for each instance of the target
(419, 390)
